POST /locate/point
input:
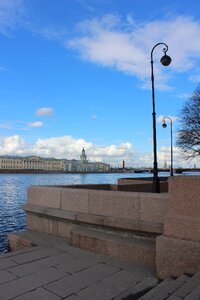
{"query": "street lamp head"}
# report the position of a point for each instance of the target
(165, 60)
(164, 125)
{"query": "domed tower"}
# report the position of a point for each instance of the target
(83, 157)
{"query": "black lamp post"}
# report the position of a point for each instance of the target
(165, 61)
(164, 125)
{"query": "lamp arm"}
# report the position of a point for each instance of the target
(164, 49)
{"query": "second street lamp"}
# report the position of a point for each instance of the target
(164, 125)
(165, 61)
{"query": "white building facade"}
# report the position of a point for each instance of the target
(52, 164)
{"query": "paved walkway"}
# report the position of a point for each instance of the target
(53, 270)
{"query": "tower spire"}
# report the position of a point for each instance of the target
(83, 156)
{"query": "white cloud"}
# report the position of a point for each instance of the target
(70, 148)
(14, 145)
(35, 124)
(127, 47)
(110, 49)
(160, 119)
(164, 155)
(12, 12)
(121, 44)
(67, 147)
(144, 159)
(44, 111)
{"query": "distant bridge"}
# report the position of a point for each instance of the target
(150, 170)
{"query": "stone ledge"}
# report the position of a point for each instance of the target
(98, 220)
(137, 251)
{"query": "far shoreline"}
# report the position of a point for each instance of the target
(117, 171)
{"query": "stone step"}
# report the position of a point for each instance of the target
(138, 289)
(167, 288)
(123, 248)
(184, 287)
(191, 289)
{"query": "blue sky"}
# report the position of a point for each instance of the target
(76, 73)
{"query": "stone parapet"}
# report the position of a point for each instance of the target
(144, 207)
(166, 224)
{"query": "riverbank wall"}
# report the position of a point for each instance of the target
(161, 230)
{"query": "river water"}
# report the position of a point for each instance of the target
(13, 193)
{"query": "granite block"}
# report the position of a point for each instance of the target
(45, 196)
(152, 207)
(175, 257)
(183, 227)
(75, 199)
(64, 229)
(114, 204)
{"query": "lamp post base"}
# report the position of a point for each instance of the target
(156, 185)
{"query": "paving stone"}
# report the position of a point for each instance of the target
(40, 294)
(7, 263)
(5, 276)
(25, 284)
(73, 265)
(74, 283)
(194, 295)
(54, 270)
(35, 255)
(31, 267)
(17, 252)
(132, 267)
(82, 253)
(109, 287)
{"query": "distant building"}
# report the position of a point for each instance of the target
(31, 163)
(83, 165)
(83, 157)
(51, 164)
